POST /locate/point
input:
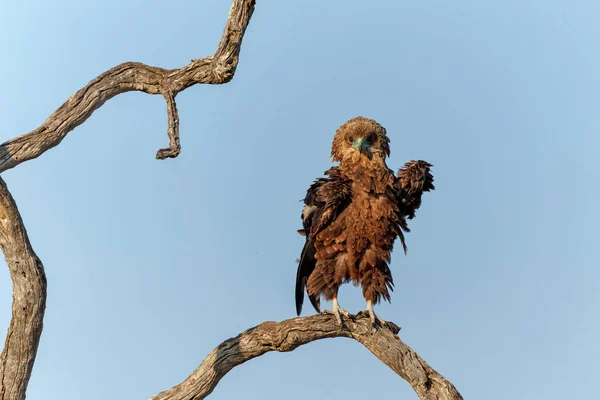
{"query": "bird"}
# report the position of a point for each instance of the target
(352, 217)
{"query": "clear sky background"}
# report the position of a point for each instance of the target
(151, 264)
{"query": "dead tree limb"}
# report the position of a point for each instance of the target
(289, 334)
(29, 300)
(130, 76)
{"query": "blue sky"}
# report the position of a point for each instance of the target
(151, 264)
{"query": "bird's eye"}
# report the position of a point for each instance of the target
(350, 140)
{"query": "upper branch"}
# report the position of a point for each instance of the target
(130, 76)
(292, 333)
(29, 300)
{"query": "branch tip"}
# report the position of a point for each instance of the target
(163, 154)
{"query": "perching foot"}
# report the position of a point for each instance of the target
(337, 311)
(376, 322)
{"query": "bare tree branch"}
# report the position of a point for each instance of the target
(29, 300)
(289, 334)
(130, 76)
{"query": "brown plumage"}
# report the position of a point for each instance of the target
(353, 216)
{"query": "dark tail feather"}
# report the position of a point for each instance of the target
(316, 302)
(300, 285)
(305, 268)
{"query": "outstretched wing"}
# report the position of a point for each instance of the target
(324, 200)
(413, 179)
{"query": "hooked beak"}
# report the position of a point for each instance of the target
(361, 145)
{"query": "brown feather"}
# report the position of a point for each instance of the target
(413, 179)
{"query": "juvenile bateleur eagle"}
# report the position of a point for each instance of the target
(353, 216)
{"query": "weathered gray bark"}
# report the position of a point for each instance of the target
(292, 333)
(27, 272)
(29, 300)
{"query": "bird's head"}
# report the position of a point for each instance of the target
(360, 137)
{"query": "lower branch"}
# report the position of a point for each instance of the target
(29, 300)
(289, 334)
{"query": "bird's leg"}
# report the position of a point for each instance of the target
(375, 321)
(335, 307)
(338, 311)
(341, 310)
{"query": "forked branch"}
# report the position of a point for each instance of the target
(289, 334)
(130, 76)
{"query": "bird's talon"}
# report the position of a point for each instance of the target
(346, 314)
(379, 324)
